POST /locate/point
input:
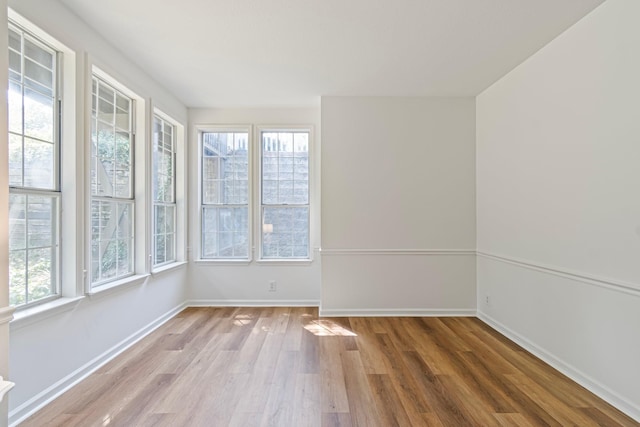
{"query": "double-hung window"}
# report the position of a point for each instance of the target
(34, 170)
(225, 194)
(164, 191)
(284, 184)
(277, 196)
(112, 191)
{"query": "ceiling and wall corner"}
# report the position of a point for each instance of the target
(217, 53)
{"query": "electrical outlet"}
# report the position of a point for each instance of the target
(487, 300)
(272, 286)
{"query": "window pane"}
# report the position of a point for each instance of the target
(285, 194)
(285, 168)
(17, 277)
(225, 167)
(40, 273)
(15, 107)
(39, 161)
(225, 232)
(112, 144)
(33, 247)
(15, 160)
(33, 162)
(163, 176)
(111, 239)
(285, 232)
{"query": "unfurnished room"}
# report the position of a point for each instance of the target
(320, 213)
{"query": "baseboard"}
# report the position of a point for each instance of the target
(251, 303)
(397, 312)
(43, 398)
(576, 375)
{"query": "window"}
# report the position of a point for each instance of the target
(112, 198)
(284, 183)
(225, 194)
(34, 168)
(277, 196)
(164, 191)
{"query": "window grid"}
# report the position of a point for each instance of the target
(164, 199)
(225, 195)
(112, 202)
(285, 194)
(34, 199)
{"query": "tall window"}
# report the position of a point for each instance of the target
(284, 183)
(112, 199)
(164, 192)
(34, 167)
(225, 195)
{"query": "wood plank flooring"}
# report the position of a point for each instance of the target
(286, 367)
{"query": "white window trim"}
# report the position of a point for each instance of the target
(141, 262)
(180, 193)
(257, 197)
(199, 129)
(70, 286)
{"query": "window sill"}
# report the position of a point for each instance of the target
(223, 262)
(118, 285)
(40, 312)
(287, 262)
(168, 267)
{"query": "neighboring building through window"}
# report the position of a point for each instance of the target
(34, 168)
(225, 194)
(284, 198)
(164, 191)
(112, 193)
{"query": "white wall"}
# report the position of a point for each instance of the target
(398, 203)
(558, 155)
(215, 283)
(47, 354)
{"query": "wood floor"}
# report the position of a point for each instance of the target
(285, 367)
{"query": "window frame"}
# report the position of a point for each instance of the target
(36, 36)
(139, 164)
(200, 130)
(258, 202)
(177, 170)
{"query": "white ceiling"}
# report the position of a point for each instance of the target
(231, 53)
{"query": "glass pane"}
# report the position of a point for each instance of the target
(14, 98)
(225, 232)
(38, 115)
(161, 220)
(40, 273)
(39, 74)
(170, 254)
(15, 40)
(285, 232)
(17, 277)
(123, 120)
(39, 161)
(160, 249)
(106, 111)
(41, 221)
(15, 160)
(225, 168)
(38, 54)
(17, 222)
(285, 168)
(111, 239)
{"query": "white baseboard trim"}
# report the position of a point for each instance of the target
(251, 303)
(375, 252)
(576, 375)
(46, 396)
(397, 312)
